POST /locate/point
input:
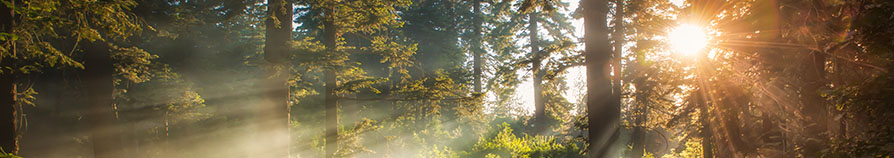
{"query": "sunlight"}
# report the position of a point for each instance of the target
(687, 39)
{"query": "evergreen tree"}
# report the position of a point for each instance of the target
(602, 116)
(8, 87)
(24, 50)
(275, 109)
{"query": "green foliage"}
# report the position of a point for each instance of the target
(4, 154)
(504, 143)
(38, 22)
(351, 137)
(135, 65)
(690, 149)
(445, 152)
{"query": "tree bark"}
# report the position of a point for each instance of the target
(619, 50)
(639, 111)
(274, 114)
(603, 117)
(702, 95)
(100, 89)
(477, 51)
(330, 36)
(8, 135)
(639, 114)
(706, 133)
(540, 123)
(814, 106)
(10, 139)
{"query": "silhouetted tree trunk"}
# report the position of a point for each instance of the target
(639, 132)
(619, 50)
(275, 109)
(639, 112)
(770, 25)
(603, 116)
(8, 136)
(639, 108)
(330, 35)
(100, 88)
(9, 142)
(814, 106)
(706, 133)
(536, 58)
(477, 51)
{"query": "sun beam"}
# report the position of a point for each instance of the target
(687, 39)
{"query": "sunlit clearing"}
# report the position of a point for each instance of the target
(687, 39)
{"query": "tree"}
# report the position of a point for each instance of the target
(536, 70)
(548, 56)
(603, 117)
(102, 115)
(330, 35)
(351, 27)
(275, 109)
(477, 50)
(618, 38)
(8, 91)
(27, 47)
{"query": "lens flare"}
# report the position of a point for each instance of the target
(687, 39)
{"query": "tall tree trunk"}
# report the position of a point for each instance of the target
(331, 115)
(274, 114)
(8, 136)
(706, 133)
(477, 51)
(10, 140)
(707, 140)
(619, 50)
(702, 96)
(330, 36)
(639, 132)
(536, 58)
(814, 106)
(603, 117)
(639, 111)
(770, 24)
(100, 89)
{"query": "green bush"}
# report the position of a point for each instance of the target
(505, 144)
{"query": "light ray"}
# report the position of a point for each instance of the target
(687, 39)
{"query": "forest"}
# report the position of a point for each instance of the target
(446, 78)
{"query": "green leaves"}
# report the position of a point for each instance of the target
(135, 64)
(40, 21)
(504, 143)
(4, 154)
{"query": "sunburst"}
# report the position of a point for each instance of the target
(687, 39)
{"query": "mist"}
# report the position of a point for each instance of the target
(445, 78)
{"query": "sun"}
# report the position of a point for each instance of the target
(687, 39)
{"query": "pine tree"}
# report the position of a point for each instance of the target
(603, 118)
(536, 70)
(372, 23)
(8, 135)
(477, 50)
(330, 35)
(28, 48)
(275, 109)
